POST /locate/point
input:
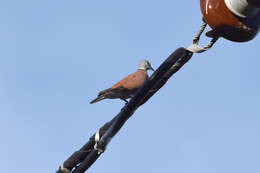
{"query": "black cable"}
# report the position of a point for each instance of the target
(81, 160)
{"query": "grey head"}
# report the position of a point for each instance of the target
(145, 65)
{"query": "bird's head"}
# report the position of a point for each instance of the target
(145, 65)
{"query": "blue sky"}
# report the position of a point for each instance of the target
(57, 55)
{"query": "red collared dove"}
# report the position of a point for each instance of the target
(127, 87)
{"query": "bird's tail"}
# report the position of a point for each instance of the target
(97, 99)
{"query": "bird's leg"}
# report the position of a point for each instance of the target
(124, 100)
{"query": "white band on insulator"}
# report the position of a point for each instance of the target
(241, 8)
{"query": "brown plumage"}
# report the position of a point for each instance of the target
(126, 87)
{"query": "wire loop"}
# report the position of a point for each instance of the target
(195, 48)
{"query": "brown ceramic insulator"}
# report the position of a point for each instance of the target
(228, 25)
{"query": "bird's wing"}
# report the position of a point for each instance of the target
(132, 81)
(111, 90)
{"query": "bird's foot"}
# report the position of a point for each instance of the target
(124, 100)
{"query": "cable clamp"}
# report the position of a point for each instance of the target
(97, 138)
(64, 169)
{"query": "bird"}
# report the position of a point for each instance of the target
(127, 87)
